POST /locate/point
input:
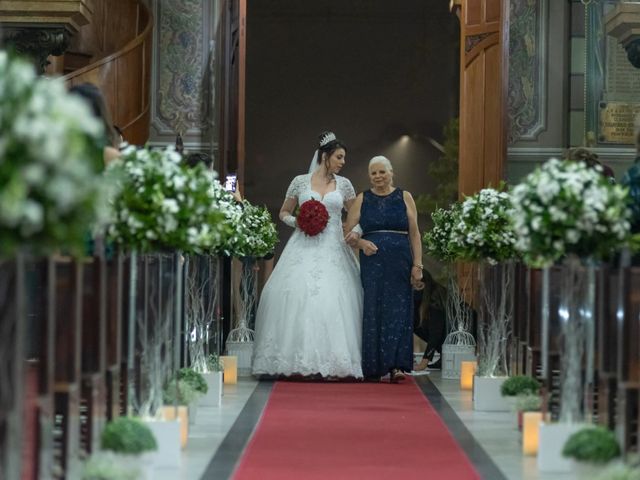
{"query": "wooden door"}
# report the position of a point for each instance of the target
(231, 89)
(484, 49)
(231, 75)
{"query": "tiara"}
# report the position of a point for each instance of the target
(327, 138)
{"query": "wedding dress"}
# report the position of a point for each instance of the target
(309, 318)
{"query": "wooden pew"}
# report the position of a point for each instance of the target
(628, 362)
(67, 364)
(520, 320)
(12, 323)
(606, 345)
(115, 277)
(94, 332)
(535, 359)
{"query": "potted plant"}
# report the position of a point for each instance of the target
(109, 466)
(620, 471)
(591, 448)
(518, 386)
(527, 403)
(129, 439)
(177, 395)
(199, 386)
(213, 377)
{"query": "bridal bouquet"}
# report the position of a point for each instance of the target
(568, 208)
(312, 217)
(163, 204)
(484, 230)
(50, 162)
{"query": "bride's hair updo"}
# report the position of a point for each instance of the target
(327, 144)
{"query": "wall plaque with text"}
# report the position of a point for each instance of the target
(617, 122)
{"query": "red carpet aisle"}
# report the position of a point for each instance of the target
(335, 431)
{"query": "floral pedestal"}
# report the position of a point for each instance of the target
(167, 435)
(553, 436)
(213, 397)
(487, 396)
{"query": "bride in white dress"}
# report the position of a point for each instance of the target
(309, 319)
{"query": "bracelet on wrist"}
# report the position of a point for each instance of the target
(416, 265)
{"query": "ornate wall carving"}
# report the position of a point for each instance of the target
(182, 98)
(527, 71)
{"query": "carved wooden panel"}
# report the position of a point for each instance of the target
(483, 81)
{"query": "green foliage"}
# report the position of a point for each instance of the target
(620, 471)
(255, 234)
(519, 385)
(162, 204)
(180, 393)
(214, 364)
(444, 172)
(592, 444)
(528, 403)
(567, 208)
(128, 435)
(51, 186)
(107, 466)
(485, 230)
(195, 379)
(437, 241)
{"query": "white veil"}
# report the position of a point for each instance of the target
(314, 163)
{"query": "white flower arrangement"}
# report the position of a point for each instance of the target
(163, 204)
(50, 162)
(568, 208)
(437, 241)
(255, 235)
(484, 230)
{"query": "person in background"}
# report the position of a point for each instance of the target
(588, 157)
(120, 134)
(429, 319)
(631, 180)
(94, 98)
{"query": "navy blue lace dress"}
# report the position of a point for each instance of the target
(387, 335)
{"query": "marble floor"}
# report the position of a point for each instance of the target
(496, 432)
(205, 437)
(491, 440)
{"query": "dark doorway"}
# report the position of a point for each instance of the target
(382, 74)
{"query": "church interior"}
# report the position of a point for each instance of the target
(146, 148)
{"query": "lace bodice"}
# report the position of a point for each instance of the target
(300, 189)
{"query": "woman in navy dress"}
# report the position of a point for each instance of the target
(390, 264)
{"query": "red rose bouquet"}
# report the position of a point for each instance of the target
(312, 217)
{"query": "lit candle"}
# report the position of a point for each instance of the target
(230, 363)
(530, 432)
(467, 371)
(183, 418)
